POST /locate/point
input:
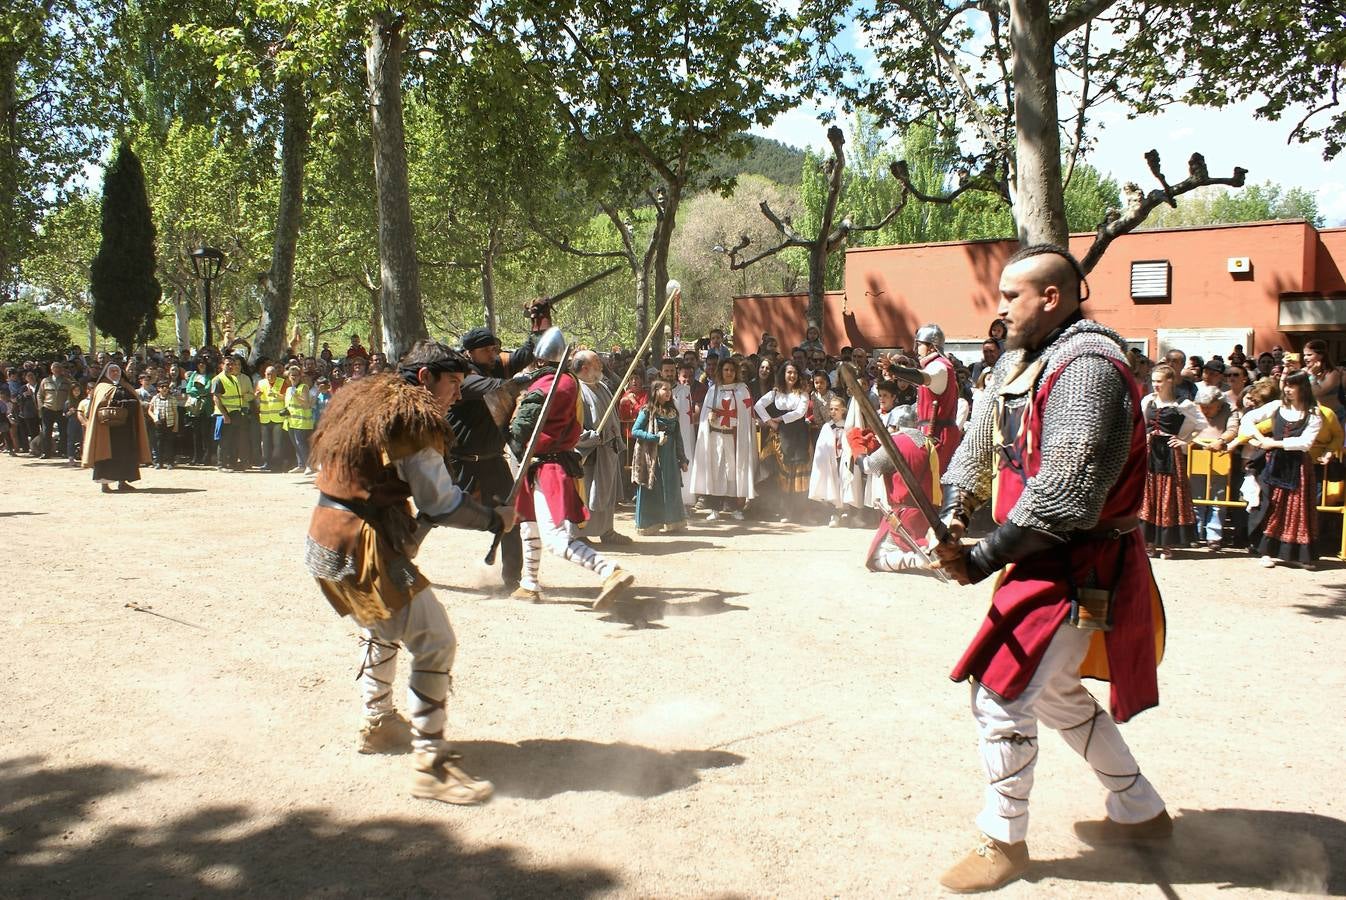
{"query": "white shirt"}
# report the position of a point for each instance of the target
(793, 406)
(1248, 424)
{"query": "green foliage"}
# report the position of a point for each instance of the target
(1256, 203)
(125, 292)
(25, 333)
(766, 158)
(54, 106)
(58, 266)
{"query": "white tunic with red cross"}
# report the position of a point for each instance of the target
(726, 453)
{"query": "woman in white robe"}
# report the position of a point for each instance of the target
(724, 462)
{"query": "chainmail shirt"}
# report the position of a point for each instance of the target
(1086, 431)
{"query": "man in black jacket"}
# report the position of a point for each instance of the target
(479, 421)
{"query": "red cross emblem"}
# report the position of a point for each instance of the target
(726, 413)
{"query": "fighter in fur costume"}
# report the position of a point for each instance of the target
(1057, 443)
(382, 441)
(549, 505)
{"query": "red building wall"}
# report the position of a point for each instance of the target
(891, 291)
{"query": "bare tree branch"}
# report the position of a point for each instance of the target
(985, 182)
(1139, 205)
(564, 245)
(1078, 140)
(1080, 14)
(941, 52)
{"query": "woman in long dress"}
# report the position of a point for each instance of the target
(1166, 510)
(785, 440)
(724, 461)
(1286, 513)
(657, 463)
(116, 443)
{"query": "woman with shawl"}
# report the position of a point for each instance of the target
(116, 443)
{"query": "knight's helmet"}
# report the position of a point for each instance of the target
(904, 416)
(550, 345)
(931, 334)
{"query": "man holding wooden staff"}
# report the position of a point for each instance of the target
(1059, 431)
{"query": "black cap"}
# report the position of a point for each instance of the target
(479, 337)
(1214, 365)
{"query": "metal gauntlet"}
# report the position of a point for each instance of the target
(958, 504)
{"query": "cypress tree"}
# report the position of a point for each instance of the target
(125, 292)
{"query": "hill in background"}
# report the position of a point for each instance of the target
(779, 162)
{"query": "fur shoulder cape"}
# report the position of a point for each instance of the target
(377, 421)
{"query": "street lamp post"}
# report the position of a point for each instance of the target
(206, 263)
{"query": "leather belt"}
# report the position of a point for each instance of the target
(1110, 529)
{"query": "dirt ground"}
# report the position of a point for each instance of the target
(769, 720)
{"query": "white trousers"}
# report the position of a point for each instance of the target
(422, 626)
(1009, 742)
(557, 537)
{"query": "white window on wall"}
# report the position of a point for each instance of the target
(1205, 342)
(1151, 279)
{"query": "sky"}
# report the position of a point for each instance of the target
(1227, 137)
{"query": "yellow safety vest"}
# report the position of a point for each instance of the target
(232, 398)
(271, 400)
(301, 417)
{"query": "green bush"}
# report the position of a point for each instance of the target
(26, 333)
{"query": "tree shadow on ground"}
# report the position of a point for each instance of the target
(1332, 607)
(226, 850)
(538, 769)
(1271, 850)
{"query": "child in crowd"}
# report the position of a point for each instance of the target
(830, 471)
(888, 394)
(658, 462)
(163, 413)
(74, 425)
(321, 397)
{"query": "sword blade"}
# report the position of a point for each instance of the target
(875, 424)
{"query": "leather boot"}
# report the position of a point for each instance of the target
(438, 777)
(613, 587)
(990, 865)
(1106, 831)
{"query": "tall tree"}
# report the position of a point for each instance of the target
(667, 86)
(54, 94)
(1004, 73)
(400, 286)
(125, 292)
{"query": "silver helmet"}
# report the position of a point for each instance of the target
(932, 335)
(550, 345)
(904, 416)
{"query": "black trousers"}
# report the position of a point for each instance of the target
(50, 418)
(489, 481)
(161, 444)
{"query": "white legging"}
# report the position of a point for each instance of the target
(559, 539)
(1009, 742)
(421, 626)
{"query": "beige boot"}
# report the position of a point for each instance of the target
(385, 733)
(523, 593)
(613, 587)
(439, 778)
(1106, 831)
(990, 865)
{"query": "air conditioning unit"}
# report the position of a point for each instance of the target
(1240, 265)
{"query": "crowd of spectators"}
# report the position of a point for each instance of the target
(214, 407)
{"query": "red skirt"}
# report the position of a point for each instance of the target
(1166, 510)
(1292, 520)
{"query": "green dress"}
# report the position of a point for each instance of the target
(662, 503)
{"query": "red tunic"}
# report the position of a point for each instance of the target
(560, 433)
(938, 414)
(1032, 600)
(900, 499)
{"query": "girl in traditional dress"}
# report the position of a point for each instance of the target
(785, 438)
(1166, 511)
(116, 443)
(820, 401)
(1286, 514)
(657, 463)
